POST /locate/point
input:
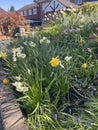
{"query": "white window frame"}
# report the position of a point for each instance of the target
(25, 12)
(35, 11)
(30, 11)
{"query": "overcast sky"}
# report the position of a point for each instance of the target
(6, 4)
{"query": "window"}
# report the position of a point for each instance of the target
(30, 12)
(25, 13)
(35, 11)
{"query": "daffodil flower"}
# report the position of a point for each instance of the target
(84, 66)
(55, 62)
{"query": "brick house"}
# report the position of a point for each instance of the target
(36, 11)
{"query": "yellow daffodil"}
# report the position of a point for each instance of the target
(5, 80)
(63, 13)
(3, 55)
(55, 62)
(84, 66)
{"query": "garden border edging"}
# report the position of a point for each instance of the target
(12, 117)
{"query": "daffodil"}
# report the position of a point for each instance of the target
(17, 84)
(44, 40)
(5, 80)
(25, 89)
(55, 62)
(20, 87)
(63, 13)
(84, 66)
(3, 55)
(68, 58)
(32, 44)
(18, 78)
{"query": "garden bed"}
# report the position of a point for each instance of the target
(54, 73)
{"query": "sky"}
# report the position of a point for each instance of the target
(6, 4)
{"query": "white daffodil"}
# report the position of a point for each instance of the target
(14, 59)
(32, 44)
(44, 40)
(68, 58)
(23, 55)
(41, 41)
(18, 78)
(19, 89)
(14, 50)
(48, 41)
(62, 66)
(89, 50)
(28, 70)
(19, 50)
(19, 54)
(17, 84)
(25, 89)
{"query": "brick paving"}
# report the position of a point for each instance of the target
(11, 117)
(1, 125)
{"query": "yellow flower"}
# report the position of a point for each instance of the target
(3, 55)
(55, 62)
(82, 41)
(63, 13)
(5, 80)
(84, 66)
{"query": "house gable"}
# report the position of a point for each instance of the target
(54, 5)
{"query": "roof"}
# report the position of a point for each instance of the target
(41, 1)
(2, 11)
(33, 5)
(68, 4)
(30, 6)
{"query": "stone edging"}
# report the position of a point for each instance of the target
(12, 117)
